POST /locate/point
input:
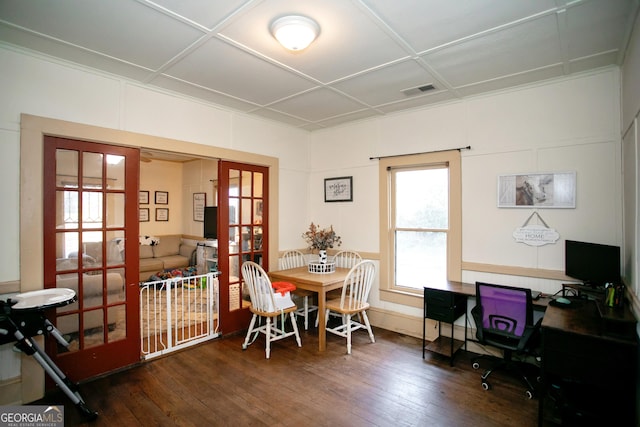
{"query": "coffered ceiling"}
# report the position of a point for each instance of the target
(370, 58)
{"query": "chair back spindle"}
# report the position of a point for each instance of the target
(292, 259)
(346, 259)
(357, 286)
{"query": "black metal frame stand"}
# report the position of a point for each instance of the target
(20, 326)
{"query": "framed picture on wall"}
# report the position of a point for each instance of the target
(537, 190)
(199, 202)
(162, 198)
(162, 214)
(144, 215)
(338, 189)
(143, 198)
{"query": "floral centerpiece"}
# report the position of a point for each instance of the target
(321, 239)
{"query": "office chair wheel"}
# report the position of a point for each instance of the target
(475, 365)
(486, 385)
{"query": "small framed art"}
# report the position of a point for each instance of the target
(338, 189)
(162, 198)
(143, 198)
(537, 190)
(144, 215)
(199, 202)
(162, 214)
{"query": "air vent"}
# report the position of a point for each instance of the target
(418, 90)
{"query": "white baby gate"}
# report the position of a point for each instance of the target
(177, 313)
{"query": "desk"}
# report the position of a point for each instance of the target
(320, 283)
(588, 377)
(447, 302)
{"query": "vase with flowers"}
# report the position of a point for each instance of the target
(321, 239)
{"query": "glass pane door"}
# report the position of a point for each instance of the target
(244, 219)
(92, 191)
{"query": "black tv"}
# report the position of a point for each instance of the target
(592, 263)
(210, 222)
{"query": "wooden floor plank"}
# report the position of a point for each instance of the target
(386, 383)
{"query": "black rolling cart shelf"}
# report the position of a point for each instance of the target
(443, 306)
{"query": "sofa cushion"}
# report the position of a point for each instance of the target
(175, 261)
(93, 249)
(151, 264)
(92, 283)
(92, 288)
(168, 245)
(63, 264)
(146, 251)
(187, 250)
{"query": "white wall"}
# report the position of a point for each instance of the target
(631, 177)
(630, 79)
(570, 124)
(34, 85)
(198, 177)
(291, 148)
(631, 155)
(345, 151)
(565, 125)
(159, 175)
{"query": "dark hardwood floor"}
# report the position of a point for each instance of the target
(386, 383)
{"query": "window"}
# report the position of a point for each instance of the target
(420, 222)
(420, 238)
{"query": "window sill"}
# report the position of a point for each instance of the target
(403, 297)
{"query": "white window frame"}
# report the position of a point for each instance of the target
(388, 290)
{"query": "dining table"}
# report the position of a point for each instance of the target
(321, 283)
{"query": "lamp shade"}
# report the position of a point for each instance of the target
(295, 32)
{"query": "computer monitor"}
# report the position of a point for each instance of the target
(592, 263)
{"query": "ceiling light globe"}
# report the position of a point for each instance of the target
(295, 32)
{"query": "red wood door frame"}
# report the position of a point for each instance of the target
(84, 360)
(243, 218)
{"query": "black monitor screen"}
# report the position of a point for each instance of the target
(210, 222)
(592, 263)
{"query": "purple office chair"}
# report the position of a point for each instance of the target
(504, 319)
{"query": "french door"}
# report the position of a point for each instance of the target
(244, 223)
(91, 246)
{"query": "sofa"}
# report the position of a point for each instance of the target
(92, 297)
(165, 253)
(92, 256)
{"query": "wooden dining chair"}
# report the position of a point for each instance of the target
(346, 258)
(268, 304)
(343, 259)
(354, 300)
(292, 259)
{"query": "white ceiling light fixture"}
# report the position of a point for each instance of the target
(295, 32)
